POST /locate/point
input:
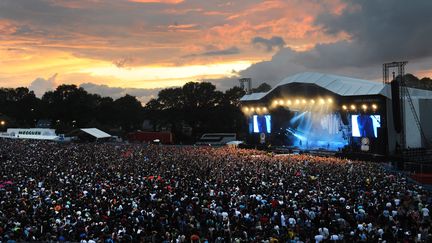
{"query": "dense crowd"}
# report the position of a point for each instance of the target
(138, 193)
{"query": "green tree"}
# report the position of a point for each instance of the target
(197, 105)
(232, 96)
(21, 104)
(171, 98)
(69, 106)
(128, 112)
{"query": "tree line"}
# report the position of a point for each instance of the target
(187, 111)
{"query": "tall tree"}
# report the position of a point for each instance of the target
(128, 112)
(198, 106)
(232, 96)
(69, 105)
(19, 103)
(200, 95)
(171, 98)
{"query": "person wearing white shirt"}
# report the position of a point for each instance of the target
(324, 232)
(397, 201)
(425, 212)
(292, 221)
(283, 223)
(319, 238)
(334, 237)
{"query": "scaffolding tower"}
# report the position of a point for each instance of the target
(246, 85)
(404, 95)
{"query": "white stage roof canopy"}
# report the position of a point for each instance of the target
(96, 132)
(341, 85)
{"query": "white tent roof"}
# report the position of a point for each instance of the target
(253, 96)
(96, 132)
(341, 85)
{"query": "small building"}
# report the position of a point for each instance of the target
(31, 133)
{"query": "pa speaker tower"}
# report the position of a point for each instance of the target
(396, 105)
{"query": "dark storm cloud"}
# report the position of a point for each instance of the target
(380, 31)
(282, 64)
(276, 42)
(224, 52)
(35, 12)
(229, 51)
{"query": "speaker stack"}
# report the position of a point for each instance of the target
(396, 105)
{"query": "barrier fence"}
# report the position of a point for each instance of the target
(421, 168)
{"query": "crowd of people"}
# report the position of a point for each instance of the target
(149, 193)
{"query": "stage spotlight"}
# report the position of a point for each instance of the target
(303, 101)
(374, 106)
(330, 100)
(297, 101)
(246, 109)
(264, 109)
(344, 107)
(312, 101)
(275, 102)
(364, 107)
(322, 101)
(281, 102)
(258, 109)
(289, 102)
(252, 109)
(353, 107)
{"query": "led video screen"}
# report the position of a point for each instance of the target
(260, 124)
(365, 125)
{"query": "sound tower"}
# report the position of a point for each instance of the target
(380, 141)
(396, 105)
(344, 118)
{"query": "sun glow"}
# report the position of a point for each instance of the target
(174, 73)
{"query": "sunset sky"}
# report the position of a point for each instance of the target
(113, 47)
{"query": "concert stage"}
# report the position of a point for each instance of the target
(322, 112)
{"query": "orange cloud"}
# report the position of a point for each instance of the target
(7, 28)
(74, 4)
(182, 11)
(261, 7)
(183, 27)
(215, 13)
(291, 20)
(157, 1)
